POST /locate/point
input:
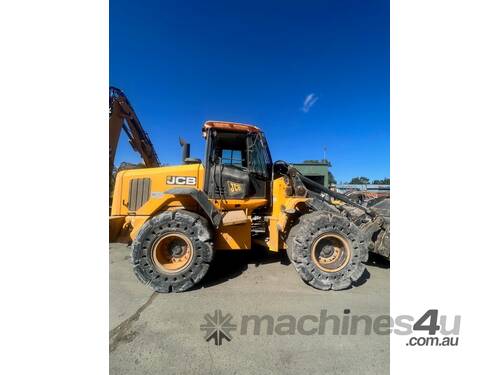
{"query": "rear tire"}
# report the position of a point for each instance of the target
(172, 251)
(327, 250)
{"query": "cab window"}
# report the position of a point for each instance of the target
(232, 157)
(257, 157)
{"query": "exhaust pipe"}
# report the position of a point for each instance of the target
(186, 150)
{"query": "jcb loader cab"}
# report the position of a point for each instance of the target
(176, 216)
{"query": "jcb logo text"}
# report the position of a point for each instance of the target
(181, 180)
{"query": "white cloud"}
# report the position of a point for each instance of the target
(309, 102)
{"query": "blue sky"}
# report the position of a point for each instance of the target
(311, 74)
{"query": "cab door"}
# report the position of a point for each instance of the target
(228, 184)
(236, 173)
(259, 167)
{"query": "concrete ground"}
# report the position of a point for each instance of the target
(160, 333)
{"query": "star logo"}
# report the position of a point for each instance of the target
(218, 327)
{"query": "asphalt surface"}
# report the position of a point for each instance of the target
(160, 333)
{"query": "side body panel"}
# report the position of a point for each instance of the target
(125, 222)
(158, 181)
(283, 207)
(161, 180)
(126, 218)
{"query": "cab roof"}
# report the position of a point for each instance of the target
(232, 126)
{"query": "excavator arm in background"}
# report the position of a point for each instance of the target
(123, 116)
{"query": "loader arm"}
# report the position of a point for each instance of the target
(375, 227)
(123, 116)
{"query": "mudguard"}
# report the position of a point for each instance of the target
(202, 199)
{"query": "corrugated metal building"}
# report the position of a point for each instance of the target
(315, 171)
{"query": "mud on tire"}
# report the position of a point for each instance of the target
(303, 243)
(186, 228)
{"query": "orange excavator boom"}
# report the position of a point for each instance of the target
(123, 116)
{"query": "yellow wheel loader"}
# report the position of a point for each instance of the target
(237, 198)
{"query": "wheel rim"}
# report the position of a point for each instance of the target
(331, 252)
(172, 253)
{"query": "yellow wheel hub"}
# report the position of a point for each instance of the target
(331, 252)
(172, 253)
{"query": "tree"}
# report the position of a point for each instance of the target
(331, 179)
(126, 165)
(360, 181)
(385, 181)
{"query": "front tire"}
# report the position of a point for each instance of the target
(172, 251)
(327, 250)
